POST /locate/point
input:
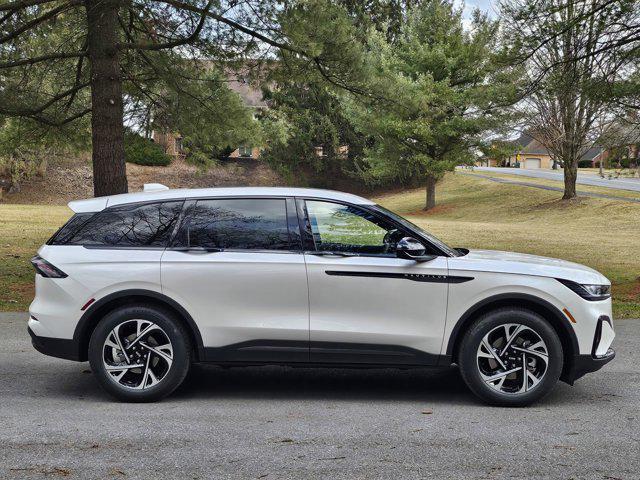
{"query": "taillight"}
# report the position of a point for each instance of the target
(45, 269)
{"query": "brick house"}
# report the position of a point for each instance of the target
(250, 93)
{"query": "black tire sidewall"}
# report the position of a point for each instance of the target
(174, 330)
(467, 359)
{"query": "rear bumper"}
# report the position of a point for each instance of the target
(583, 364)
(56, 347)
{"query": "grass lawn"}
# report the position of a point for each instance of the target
(624, 172)
(23, 228)
(471, 212)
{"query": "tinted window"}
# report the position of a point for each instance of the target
(62, 236)
(246, 224)
(148, 225)
(344, 228)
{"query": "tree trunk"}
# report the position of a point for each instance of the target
(570, 176)
(431, 192)
(107, 130)
(601, 166)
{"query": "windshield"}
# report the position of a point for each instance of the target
(412, 226)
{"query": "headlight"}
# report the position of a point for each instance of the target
(598, 290)
(588, 292)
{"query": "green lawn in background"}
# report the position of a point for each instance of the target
(472, 212)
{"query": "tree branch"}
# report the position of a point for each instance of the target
(36, 21)
(177, 42)
(61, 123)
(43, 58)
(19, 4)
(274, 43)
(35, 111)
(78, 78)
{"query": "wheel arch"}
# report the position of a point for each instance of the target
(545, 309)
(89, 320)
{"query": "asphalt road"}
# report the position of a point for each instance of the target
(632, 184)
(271, 422)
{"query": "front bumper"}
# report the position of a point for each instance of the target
(56, 347)
(601, 352)
(583, 364)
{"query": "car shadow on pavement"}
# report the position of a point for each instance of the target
(210, 382)
(273, 382)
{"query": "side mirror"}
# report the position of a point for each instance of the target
(411, 249)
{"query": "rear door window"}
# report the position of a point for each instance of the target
(146, 225)
(236, 224)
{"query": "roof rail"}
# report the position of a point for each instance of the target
(154, 187)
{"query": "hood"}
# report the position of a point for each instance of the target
(525, 264)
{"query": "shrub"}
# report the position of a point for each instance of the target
(143, 151)
(585, 164)
(625, 162)
(200, 159)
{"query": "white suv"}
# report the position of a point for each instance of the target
(144, 284)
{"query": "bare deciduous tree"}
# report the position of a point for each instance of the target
(577, 54)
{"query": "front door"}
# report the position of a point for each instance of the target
(238, 268)
(366, 304)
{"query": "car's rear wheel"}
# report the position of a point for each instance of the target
(511, 357)
(140, 353)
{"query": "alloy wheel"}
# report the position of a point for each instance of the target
(137, 354)
(512, 358)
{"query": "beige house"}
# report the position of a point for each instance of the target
(529, 153)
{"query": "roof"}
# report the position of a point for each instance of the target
(522, 141)
(592, 153)
(528, 145)
(100, 203)
(535, 147)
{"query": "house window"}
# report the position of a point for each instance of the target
(245, 150)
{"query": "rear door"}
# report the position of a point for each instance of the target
(236, 264)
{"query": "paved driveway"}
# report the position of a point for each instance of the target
(269, 423)
(632, 184)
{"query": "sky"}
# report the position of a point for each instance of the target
(488, 6)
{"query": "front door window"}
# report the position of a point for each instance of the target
(344, 228)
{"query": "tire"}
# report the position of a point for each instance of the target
(161, 370)
(486, 377)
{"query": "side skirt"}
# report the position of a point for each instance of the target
(330, 354)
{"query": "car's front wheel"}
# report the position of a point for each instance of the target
(140, 353)
(511, 357)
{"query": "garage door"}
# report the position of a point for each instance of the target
(532, 163)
